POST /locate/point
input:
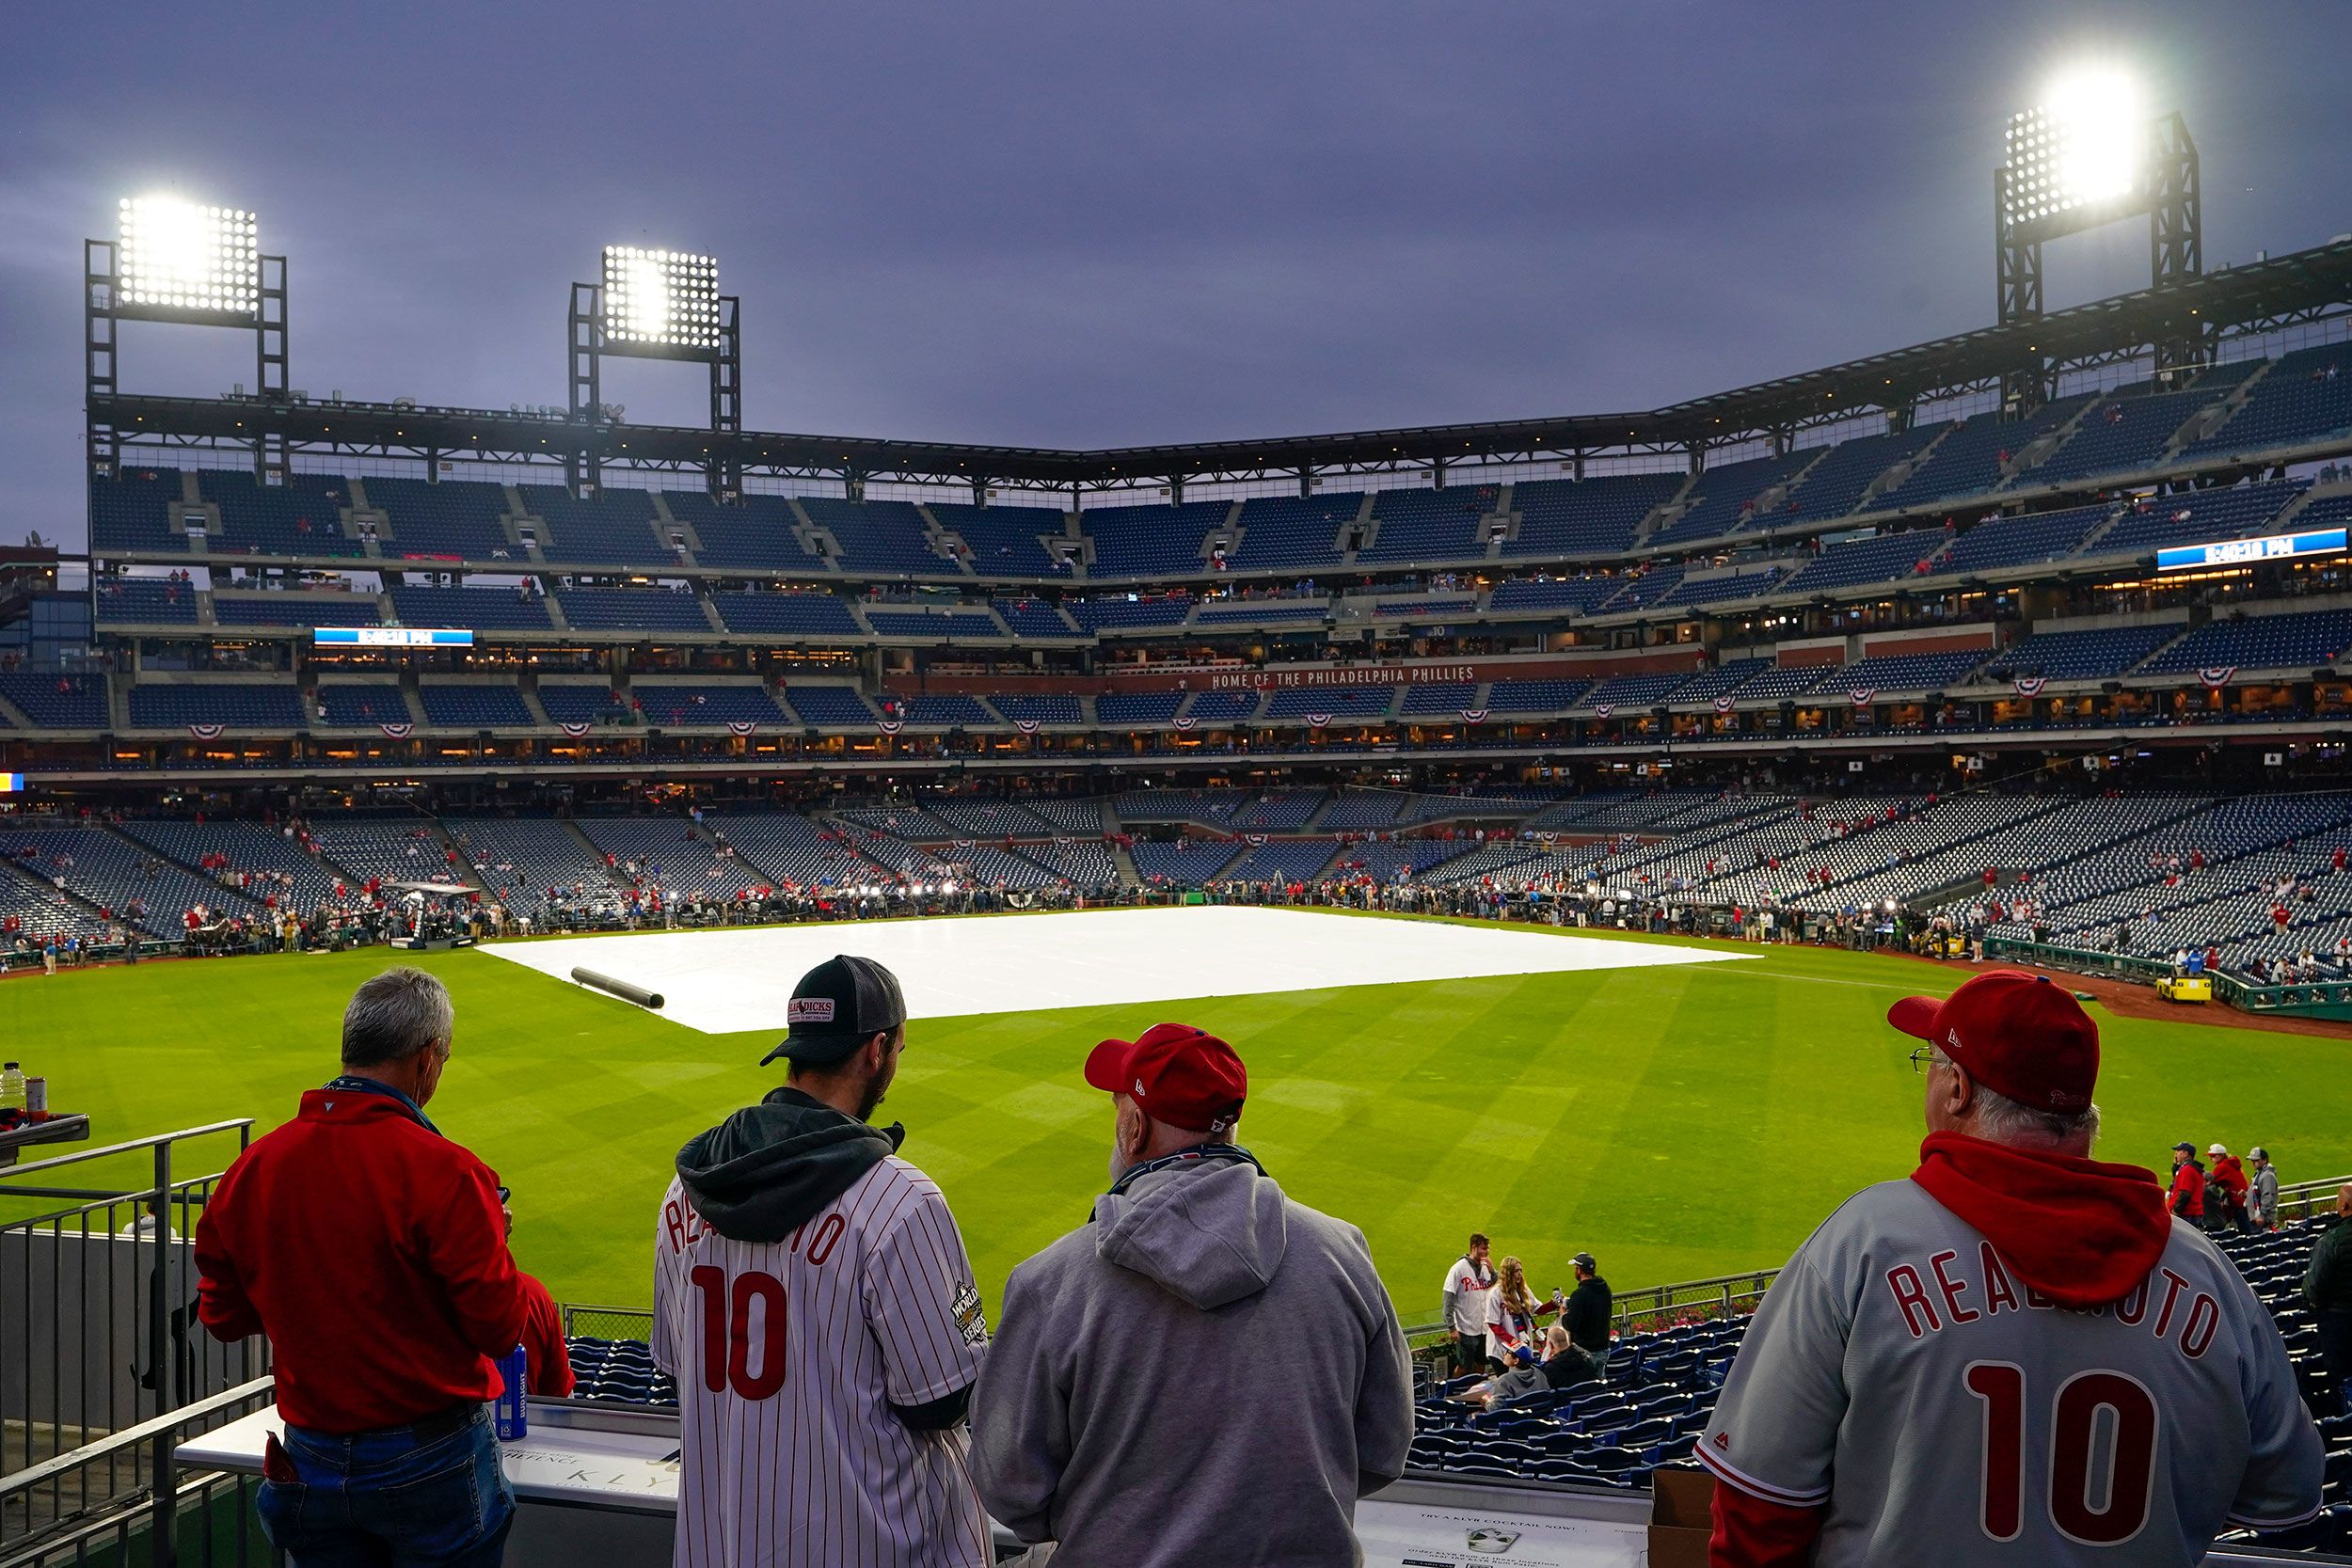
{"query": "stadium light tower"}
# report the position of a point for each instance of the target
(2089, 155)
(655, 305)
(193, 264)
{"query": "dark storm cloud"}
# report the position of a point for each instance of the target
(1090, 224)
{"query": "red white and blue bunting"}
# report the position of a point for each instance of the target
(397, 732)
(575, 731)
(1316, 720)
(1187, 723)
(1473, 716)
(2219, 677)
(1026, 726)
(1722, 703)
(206, 732)
(1862, 696)
(1603, 710)
(2030, 685)
(890, 726)
(741, 726)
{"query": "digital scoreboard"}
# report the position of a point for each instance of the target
(2245, 552)
(391, 637)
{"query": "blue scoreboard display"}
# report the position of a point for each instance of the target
(2243, 552)
(389, 637)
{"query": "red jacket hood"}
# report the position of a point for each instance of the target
(2082, 1232)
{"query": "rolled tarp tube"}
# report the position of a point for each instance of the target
(621, 989)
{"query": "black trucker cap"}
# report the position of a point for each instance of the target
(837, 1004)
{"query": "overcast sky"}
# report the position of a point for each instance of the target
(1097, 223)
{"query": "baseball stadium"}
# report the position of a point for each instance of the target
(1549, 811)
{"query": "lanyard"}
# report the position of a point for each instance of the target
(348, 1085)
(1232, 1152)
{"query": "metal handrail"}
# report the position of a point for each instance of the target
(154, 1140)
(132, 1436)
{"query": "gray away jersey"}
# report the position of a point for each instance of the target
(787, 1356)
(1899, 1373)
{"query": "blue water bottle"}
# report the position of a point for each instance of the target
(510, 1414)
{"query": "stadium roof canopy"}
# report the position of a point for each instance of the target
(2263, 297)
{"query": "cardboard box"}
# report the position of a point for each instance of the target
(1681, 1518)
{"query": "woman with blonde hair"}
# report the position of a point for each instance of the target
(1512, 1314)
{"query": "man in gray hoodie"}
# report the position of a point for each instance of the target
(1205, 1372)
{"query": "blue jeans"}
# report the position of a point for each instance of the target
(382, 1499)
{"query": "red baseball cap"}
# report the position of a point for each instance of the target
(2016, 1033)
(1180, 1075)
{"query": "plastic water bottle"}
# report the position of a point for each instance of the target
(12, 1086)
(510, 1415)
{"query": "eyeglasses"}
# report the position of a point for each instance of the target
(1925, 1057)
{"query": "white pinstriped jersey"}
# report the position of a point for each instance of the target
(1948, 1413)
(787, 1356)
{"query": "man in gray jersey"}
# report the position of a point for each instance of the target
(2015, 1357)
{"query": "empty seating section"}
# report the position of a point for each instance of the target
(1213, 808)
(1033, 618)
(1004, 539)
(1442, 697)
(2305, 397)
(31, 900)
(1464, 606)
(953, 708)
(345, 706)
(1630, 691)
(1210, 706)
(962, 625)
(1583, 595)
(877, 536)
(828, 704)
(111, 872)
(578, 703)
(518, 859)
(1885, 558)
(474, 707)
(292, 878)
(2026, 541)
(1779, 682)
(296, 610)
(1835, 484)
(1643, 590)
(2196, 517)
(786, 615)
(1078, 815)
(1344, 702)
(2117, 436)
(706, 705)
(1970, 458)
(671, 853)
(1292, 533)
(1535, 696)
(752, 534)
(1585, 516)
(302, 516)
(1186, 865)
(243, 707)
(1903, 673)
(1046, 709)
(1150, 610)
(383, 848)
(1429, 524)
(146, 601)
(1362, 810)
(632, 610)
(1724, 679)
(1744, 583)
(1138, 707)
(454, 520)
(787, 848)
(1151, 541)
(57, 702)
(980, 817)
(139, 511)
(615, 527)
(1726, 498)
(471, 608)
(2308, 641)
(1082, 865)
(1282, 860)
(1254, 612)
(2099, 654)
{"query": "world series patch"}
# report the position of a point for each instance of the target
(970, 1321)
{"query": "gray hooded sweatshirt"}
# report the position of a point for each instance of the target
(1207, 1373)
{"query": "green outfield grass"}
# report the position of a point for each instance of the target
(1678, 1123)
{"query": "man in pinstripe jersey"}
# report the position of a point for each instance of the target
(813, 1301)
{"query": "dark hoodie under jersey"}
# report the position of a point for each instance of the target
(761, 1172)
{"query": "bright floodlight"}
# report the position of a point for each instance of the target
(666, 298)
(2086, 146)
(187, 256)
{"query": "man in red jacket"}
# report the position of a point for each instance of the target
(371, 1250)
(2188, 1197)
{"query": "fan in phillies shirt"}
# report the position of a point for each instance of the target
(2015, 1357)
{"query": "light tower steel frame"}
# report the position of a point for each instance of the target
(589, 344)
